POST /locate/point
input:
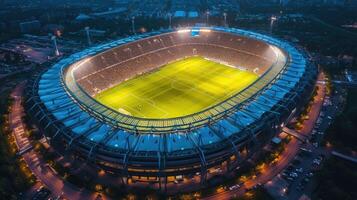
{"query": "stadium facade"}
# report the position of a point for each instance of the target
(161, 150)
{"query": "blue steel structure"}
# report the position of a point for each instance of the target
(229, 135)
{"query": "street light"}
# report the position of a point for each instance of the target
(272, 20)
(170, 18)
(225, 19)
(207, 17)
(88, 36)
(53, 38)
(133, 24)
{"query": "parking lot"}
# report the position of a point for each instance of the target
(297, 178)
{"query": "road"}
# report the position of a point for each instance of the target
(285, 158)
(320, 116)
(290, 152)
(55, 183)
(38, 167)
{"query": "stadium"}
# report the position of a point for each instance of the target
(170, 104)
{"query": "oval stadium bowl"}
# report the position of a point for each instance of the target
(173, 102)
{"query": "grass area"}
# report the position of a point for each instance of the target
(177, 89)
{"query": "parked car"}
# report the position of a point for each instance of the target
(299, 170)
(41, 194)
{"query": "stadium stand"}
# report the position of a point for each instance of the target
(124, 62)
(224, 136)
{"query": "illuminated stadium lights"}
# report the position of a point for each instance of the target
(205, 30)
(62, 103)
(184, 122)
(275, 50)
(78, 65)
(195, 31)
(184, 31)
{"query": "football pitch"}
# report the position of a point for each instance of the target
(177, 89)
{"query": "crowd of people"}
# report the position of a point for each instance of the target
(111, 67)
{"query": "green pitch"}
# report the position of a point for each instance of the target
(176, 89)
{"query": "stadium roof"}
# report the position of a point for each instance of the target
(82, 123)
(192, 14)
(93, 132)
(180, 13)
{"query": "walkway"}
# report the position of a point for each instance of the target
(343, 156)
(38, 167)
(294, 133)
(290, 150)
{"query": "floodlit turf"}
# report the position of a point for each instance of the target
(177, 89)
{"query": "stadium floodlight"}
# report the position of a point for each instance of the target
(53, 38)
(184, 31)
(88, 36)
(78, 65)
(276, 50)
(205, 30)
(225, 19)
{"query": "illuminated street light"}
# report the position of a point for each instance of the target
(133, 24)
(225, 19)
(53, 38)
(207, 17)
(284, 190)
(272, 20)
(88, 36)
(170, 20)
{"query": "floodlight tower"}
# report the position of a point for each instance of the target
(133, 24)
(225, 19)
(170, 20)
(207, 17)
(272, 20)
(88, 36)
(54, 39)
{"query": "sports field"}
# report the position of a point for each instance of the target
(176, 89)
